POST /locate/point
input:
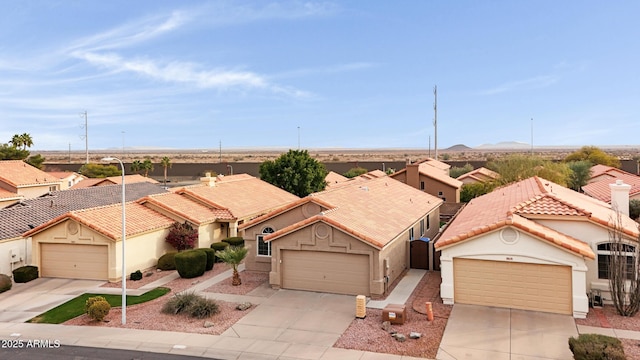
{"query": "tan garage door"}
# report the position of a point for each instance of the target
(513, 285)
(325, 272)
(74, 261)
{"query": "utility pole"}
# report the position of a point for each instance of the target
(429, 156)
(86, 135)
(435, 119)
(532, 136)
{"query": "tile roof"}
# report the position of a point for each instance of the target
(521, 203)
(324, 205)
(480, 174)
(9, 195)
(427, 169)
(599, 169)
(21, 217)
(334, 178)
(601, 190)
(128, 179)
(242, 194)
(182, 206)
(435, 163)
(376, 211)
(18, 173)
(107, 220)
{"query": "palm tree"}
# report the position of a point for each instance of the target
(233, 256)
(147, 166)
(27, 141)
(136, 166)
(166, 163)
(16, 141)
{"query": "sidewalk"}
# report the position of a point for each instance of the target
(288, 324)
(618, 333)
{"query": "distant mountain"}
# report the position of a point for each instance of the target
(458, 147)
(504, 145)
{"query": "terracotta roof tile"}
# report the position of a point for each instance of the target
(107, 220)
(128, 179)
(376, 210)
(324, 205)
(480, 174)
(601, 190)
(534, 197)
(243, 195)
(18, 173)
(19, 218)
(334, 178)
(6, 194)
(188, 209)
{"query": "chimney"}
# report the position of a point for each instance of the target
(620, 197)
(208, 180)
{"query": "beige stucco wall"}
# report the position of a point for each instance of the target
(433, 187)
(254, 262)
(526, 249)
(142, 251)
(21, 248)
(30, 192)
(306, 239)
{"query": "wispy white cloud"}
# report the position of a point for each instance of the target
(526, 84)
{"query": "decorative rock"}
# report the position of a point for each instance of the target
(195, 282)
(399, 337)
(158, 270)
(386, 326)
(209, 324)
(243, 306)
(415, 335)
(148, 274)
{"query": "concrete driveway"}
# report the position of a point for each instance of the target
(26, 300)
(480, 332)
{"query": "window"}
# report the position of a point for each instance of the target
(440, 194)
(53, 188)
(428, 220)
(606, 250)
(411, 234)
(264, 248)
(421, 228)
(421, 185)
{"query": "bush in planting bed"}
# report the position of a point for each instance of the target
(219, 246)
(211, 257)
(167, 261)
(191, 263)
(25, 274)
(5, 283)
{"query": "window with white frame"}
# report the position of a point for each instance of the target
(264, 248)
(607, 250)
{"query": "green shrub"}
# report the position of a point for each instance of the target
(135, 276)
(191, 304)
(179, 302)
(191, 263)
(167, 261)
(25, 274)
(218, 247)
(98, 310)
(91, 300)
(596, 347)
(234, 241)
(202, 308)
(5, 283)
(211, 257)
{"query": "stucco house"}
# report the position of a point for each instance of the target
(602, 176)
(479, 175)
(532, 245)
(87, 244)
(30, 213)
(431, 176)
(24, 180)
(354, 238)
(68, 178)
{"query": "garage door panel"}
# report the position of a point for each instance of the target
(513, 285)
(75, 261)
(326, 272)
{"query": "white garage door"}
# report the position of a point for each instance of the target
(325, 272)
(73, 261)
(513, 285)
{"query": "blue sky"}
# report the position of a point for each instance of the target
(349, 74)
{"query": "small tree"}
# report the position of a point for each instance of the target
(233, 256)
(595, 155)
(473, 190)
(147, 165)
(580, 174)
(136, 166)
(166, 164)
(634, 209)
(356, 171)
(455, 171)
(296, 172)
(182, 236)
(624, 271)
(92, 170)
(518, 167)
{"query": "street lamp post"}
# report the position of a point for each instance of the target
(124, 235)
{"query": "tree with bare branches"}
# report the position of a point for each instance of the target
(624, 271)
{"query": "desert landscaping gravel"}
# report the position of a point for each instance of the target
(607, 317)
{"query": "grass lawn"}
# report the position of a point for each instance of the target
(75, 306)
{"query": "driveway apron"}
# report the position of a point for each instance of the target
(481, 332)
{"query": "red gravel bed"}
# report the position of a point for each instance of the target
(250, 280)
(148, 315)
(367, 334)
(146, 279)
(608, 317)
